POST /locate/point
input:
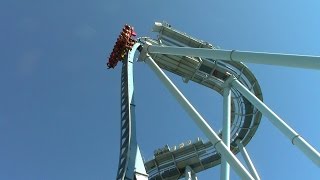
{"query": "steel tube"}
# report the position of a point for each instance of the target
(248, 161)
(198, 119)
(289, 60)
(188, 173)
(225, 168)
(295, 138)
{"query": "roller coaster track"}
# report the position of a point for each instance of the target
(245, 118)
(210, 73)
(172, 163)
(130, 161)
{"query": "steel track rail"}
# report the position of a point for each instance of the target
(212, 74)
(127, 166)
(125, 124)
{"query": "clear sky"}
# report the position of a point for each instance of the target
(60, 106)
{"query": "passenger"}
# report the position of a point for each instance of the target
(109, 65)
(125, 35)
(127, 26)
(133, 33)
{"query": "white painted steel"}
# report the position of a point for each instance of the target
(225, 168)
(189, 174)
(295, 138)
(248, 161)
(212, 75)
(289, 60)
(198, 119)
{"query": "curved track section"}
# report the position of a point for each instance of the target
(130, 160)
(212, 73)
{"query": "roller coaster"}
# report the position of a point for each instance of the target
(223, 71)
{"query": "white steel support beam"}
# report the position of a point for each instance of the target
(189, 174)
(295, 138)
(289, 60)
(225, 168)
(198, 119)
(248, 161)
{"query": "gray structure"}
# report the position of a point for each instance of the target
(212, 74)
(221, 71)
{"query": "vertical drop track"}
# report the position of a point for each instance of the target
(130, 161)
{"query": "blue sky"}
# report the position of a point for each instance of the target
(59, 106)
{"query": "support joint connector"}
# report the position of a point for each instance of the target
(230, 79)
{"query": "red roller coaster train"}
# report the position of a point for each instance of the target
(123, 45)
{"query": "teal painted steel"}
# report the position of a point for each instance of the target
(130, 160)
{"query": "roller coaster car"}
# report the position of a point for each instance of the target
(123, 46)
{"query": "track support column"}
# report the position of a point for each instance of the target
(189, 174)
(225, 167)
(198, 119)
(294, 137)
(288, 60)
(247, 159)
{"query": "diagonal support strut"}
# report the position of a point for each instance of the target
(198, 119)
